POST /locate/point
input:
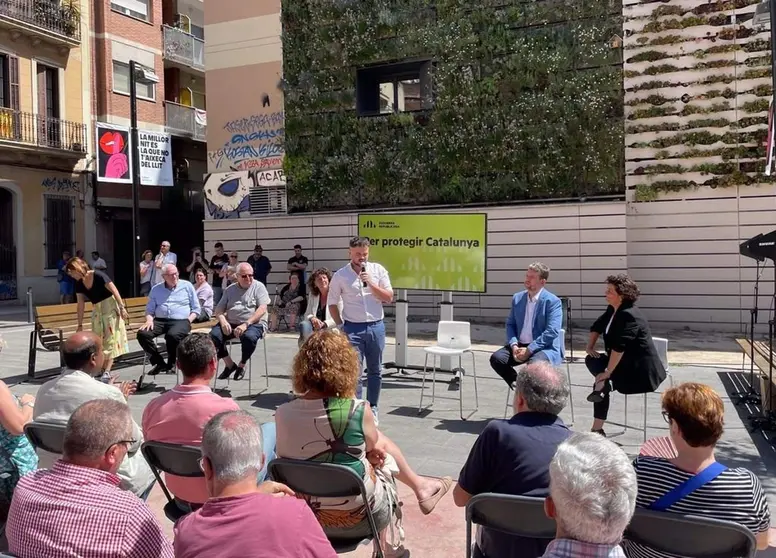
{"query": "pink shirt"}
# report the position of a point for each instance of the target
(178, 417)
(70, 510)
(252, 526)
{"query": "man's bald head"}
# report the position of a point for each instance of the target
(245, 267)
(244, 272)
(83, 351)
(94, 427)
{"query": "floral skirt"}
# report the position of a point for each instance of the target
(107, 323)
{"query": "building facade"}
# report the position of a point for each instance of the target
(44, 141)
(166, 38)
(348, 111)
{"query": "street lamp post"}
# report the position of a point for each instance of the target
(137, 73)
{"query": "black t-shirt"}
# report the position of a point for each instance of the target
(261, 267)
(513, 457)
(216, 263)
(99, 291)
(299, 260)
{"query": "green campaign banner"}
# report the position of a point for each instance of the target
(429, 251)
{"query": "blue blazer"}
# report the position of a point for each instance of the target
(548, 320)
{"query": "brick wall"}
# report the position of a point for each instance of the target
(112, 26)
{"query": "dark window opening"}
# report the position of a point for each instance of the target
(59, 223)
(394, 88)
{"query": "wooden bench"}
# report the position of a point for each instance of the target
(763, 357)
(55, 323)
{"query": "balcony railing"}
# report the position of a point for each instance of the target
(184, 120)
(47, 15)
(184, 48)
(37, 130)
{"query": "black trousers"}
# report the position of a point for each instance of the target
(597, 366)
(504, 363)
(173, 330)
(202, 318)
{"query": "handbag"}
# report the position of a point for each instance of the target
(687, 487)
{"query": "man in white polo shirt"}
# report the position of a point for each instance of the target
(364, 287)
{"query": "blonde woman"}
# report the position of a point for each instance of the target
(108, 311)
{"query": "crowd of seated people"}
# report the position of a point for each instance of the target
(90, 501)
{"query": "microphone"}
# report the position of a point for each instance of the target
(363, 270)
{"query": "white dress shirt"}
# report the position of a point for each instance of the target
(526, 332)
(359, 304)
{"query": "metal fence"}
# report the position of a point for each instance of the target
(24, 127)
(186, 120)
(63, 19)
(184, 48)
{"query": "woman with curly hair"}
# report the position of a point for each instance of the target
(327, 423)
(318, 314)
(631, 363)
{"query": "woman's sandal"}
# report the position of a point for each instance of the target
(428, 505)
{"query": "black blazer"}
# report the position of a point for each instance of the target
(640, 369)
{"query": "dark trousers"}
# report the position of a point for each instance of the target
(248, 340)
(173, 330)
(597, 366)
(504, 363)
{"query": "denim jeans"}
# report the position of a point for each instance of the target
(248, 340)
(305, 330)
(369, 340)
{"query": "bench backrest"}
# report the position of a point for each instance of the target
(65, 316)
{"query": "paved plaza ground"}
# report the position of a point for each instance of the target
(437, 442)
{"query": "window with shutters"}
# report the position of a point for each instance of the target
(59, 227)
(48, 123)
(9, 98)
(121, 82)
(139, 9)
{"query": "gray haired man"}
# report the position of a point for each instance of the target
(242, 518)
(513, 456)
(241, 314)
(592, 497)
(76, 508)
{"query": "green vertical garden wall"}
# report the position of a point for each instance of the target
(528, 102)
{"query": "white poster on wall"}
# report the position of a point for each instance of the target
(155, 158)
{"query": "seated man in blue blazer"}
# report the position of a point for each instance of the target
(533, 326)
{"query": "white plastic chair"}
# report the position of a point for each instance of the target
(508, 405)
(661, 344)
(453, 339)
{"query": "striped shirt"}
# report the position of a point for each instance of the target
(735, 495)
(78, 511)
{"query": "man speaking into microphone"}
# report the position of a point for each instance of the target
(364, 287)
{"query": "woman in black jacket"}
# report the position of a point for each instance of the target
(631, 363)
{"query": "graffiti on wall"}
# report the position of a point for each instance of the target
(57, 184)
(252, 139)
(228, 194)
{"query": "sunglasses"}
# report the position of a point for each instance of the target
(666, 417)
(246, 275)
(128, 443)
(233, 256)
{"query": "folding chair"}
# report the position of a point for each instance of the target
(522, 516)
(453, 339)
(47, 436)
(263, 342)
(508, 405)
(172, 459)
(327, 480)
(690, 536)
(275, 301)
(661, 345)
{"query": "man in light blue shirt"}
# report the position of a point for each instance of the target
(172, 306)
(163, 258)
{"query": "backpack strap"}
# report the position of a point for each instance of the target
(687, 487)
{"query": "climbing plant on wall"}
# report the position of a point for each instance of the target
(527, 102)
(697, 86)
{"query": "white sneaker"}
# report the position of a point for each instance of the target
(377, 420)
(398, 552)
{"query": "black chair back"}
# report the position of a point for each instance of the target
(173, 459)
(515, 515)
(47, 436)
(691, 536)
(324, 480)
